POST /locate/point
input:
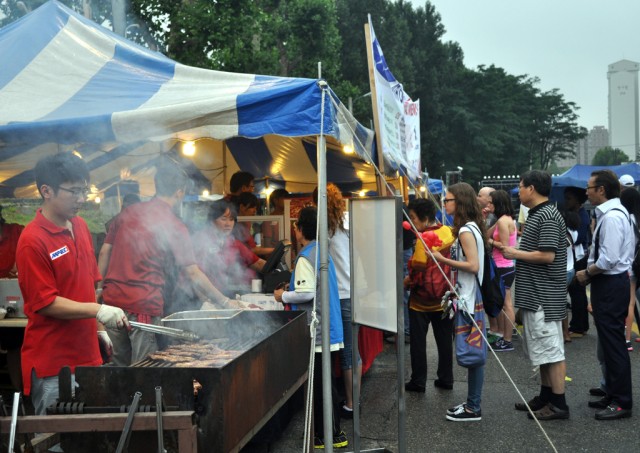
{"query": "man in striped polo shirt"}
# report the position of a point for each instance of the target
(541, 293)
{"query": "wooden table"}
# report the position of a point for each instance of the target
(13, 322)
(181, 421)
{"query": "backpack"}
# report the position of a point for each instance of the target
(492, 287)
(430, 284)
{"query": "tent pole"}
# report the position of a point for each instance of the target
(380, 181)
(323, 275)
(224, 167)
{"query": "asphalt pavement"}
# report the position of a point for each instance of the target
(502, 429)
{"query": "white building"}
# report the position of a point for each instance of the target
(624, 118)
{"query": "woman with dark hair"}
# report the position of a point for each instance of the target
(574, 199)
(225, 260)
(428, 285)
(503, 232)
(630, 199)
(467, 262)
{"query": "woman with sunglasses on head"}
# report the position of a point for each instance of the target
(467, 258)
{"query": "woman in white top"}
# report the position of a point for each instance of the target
(467, 258)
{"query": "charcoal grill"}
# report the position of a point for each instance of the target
(236, 398)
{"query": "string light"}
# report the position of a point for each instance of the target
(97, 200)
(205, 193)
(189, 148)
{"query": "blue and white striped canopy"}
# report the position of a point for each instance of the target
(67, 83)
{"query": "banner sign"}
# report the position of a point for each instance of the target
(398, 116)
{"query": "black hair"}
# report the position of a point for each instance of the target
(308, 222)
(129, 199)
(630, 199)
(56, 169)
(170, 177)
(578, 193)
(608, 180)
(219, 207)
(277, 194)
(571, 219)
(424, 208)
(502, 203)
(246, 199)
(239, 179)
(539, 179)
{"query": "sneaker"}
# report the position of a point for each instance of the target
(629, 346)
(492, 338)
(461, 414)
(597, 391)
(339, 441)
(345, 412)
(550, 412)
(502, 345)
(454, 409)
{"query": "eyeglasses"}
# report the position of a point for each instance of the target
(447, 200)
(77, 191)
(593, 187)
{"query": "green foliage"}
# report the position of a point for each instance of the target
(610, 156)
(482, 119)
(23, 211)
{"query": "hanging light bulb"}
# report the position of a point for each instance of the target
(189, 148)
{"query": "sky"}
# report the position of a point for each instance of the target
(567, 44)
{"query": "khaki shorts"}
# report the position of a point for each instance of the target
(543, 341)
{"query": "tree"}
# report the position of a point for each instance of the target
(610, 156)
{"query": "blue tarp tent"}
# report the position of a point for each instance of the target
(67, 83)
(435, 186)
(578, 176)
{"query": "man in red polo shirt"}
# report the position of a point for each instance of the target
(57, 272)
(145, 246)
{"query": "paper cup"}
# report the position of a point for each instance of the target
(256, 285)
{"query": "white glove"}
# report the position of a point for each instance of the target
(112, 317)
(207, 305)
(105, 344)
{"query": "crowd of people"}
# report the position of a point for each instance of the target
(149, 255)
(544, 259)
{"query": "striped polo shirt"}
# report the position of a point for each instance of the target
(543, 284)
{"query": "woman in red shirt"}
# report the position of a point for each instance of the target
(9, 235)
(228, 263)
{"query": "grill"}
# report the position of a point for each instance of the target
(233, 399)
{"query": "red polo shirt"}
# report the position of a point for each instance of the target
(148, 244)
(224, 260)
(8, 243)
(51, 262)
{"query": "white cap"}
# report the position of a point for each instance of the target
(627, 180)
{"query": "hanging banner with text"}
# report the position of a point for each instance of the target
(398, 115)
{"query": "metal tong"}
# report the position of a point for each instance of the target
(14, 420)
(169, 331)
